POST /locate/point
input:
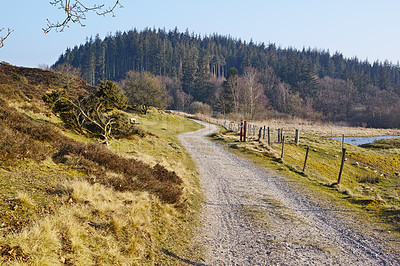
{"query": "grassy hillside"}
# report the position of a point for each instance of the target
(66, 199)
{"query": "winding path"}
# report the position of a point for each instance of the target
(252, 217)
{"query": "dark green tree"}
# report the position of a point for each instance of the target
(189, 67)
(203, 88)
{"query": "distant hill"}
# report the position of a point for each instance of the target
(327, 85)
(33, 83)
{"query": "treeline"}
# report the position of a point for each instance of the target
(309, 83)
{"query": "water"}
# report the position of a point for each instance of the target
(357, 141)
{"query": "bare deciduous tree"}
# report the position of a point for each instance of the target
(68, 73)
(182, 99)
(252, 91)
(76, 12)
(3, 38)
(279, 97)
(233, 89)
(144, 90)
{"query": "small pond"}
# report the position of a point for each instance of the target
(357, 141)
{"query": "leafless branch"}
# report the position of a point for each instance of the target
(76, 13)
(2, 39)
(106, 127)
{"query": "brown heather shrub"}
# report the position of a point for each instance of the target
(136, 175)
(11, 93)
(11, 118)
(22, 137)
(370, 179)
(34, 83)
(156, 180)
(14, 145)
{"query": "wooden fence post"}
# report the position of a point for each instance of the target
(264, 133)
(283, 146)
(342, 141)
(269, 138)
(305, 161)
(341, 166)
(296, 139)
(279, 135)
(259, 134)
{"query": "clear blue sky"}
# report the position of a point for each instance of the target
(363, 28)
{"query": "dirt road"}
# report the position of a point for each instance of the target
(252, 217)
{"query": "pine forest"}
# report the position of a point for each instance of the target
(255, 80)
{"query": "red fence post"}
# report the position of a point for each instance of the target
(245, 128)
(241, 131)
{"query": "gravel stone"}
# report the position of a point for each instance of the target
(253, 217)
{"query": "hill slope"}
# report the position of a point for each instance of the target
(66, 199)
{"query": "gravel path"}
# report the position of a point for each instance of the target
(252, 217)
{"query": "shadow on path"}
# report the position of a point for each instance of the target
(171, 254)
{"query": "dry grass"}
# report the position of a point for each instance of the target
(80, 203)
(98, 227)
(82, 223)
(370, 179)
(313, 128)
(67, 200)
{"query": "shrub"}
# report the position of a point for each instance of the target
(144, 90)
(11, 92)
(95, 158)
(14, 145)
(200, 108)
(21, 138)
(91, 115)
(122, 127)
(14, 120)
(20, 78)
(371, 179)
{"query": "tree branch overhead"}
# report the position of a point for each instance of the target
(76, 12)
(2, 39)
